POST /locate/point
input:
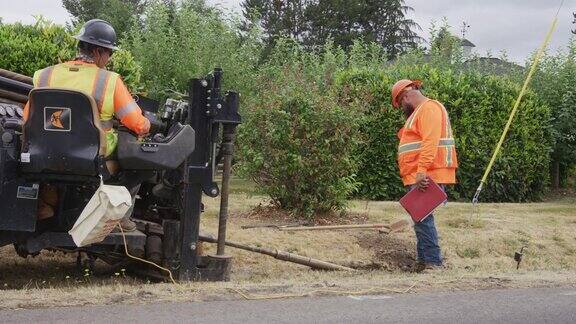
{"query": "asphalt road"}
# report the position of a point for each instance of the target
(488, 306)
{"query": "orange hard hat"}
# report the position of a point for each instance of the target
(399, 86)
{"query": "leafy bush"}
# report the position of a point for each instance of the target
(28, 48)
(177, 43)
(479, 107)
(298, 140)
(123, 63)
(368, 91)
(554, 82)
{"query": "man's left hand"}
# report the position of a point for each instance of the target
(422, 181)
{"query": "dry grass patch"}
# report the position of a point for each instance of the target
(465, 222)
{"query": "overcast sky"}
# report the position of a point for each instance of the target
(515, 26)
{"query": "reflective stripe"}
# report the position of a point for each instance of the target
(128, 108)
(414, 146)
(99, 87)
(409, 147)
(446, 122)
(44, 78)
(410, 120)
(412, 117)
(449, 148)
(107, 124)
(447, 142)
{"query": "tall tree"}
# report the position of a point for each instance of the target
(277, 17)
(380, 21)
(444, 44)
(119, 13)
(336, 19)
(312, 22)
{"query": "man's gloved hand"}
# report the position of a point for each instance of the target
(156, 124)
(422, 181)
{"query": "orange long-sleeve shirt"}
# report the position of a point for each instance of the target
(127, 111)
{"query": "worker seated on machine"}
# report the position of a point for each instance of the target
(87, 73)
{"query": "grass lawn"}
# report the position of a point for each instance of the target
(478, 245)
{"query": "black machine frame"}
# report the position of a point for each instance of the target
(214, 117)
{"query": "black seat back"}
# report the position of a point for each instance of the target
(62, 134)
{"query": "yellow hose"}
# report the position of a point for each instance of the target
(142, 260)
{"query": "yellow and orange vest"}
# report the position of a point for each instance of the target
(427, 146)
(111, 95)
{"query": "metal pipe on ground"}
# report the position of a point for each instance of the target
(333, 227)
(16, 76)
(282, 225)
(282, 255)
(393, 226)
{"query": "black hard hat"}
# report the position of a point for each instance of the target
(98, 32)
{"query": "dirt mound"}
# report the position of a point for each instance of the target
(391, 252)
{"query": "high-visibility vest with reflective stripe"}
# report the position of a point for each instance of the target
(90, 79)
(443, 163)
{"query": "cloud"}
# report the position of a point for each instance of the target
(25, 10)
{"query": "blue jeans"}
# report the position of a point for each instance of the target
(427, 244)
(427, 241)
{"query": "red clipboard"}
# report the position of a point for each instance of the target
(420, 204)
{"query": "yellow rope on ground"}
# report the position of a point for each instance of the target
(142, 260)
(517, 104)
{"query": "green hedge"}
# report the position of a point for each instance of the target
(479, 107)
(554, 82)
(28, 48)
(184, 42)
(319, 125)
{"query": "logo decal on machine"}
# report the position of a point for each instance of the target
(25, 192)
(57, 119)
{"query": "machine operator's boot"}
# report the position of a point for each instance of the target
(127, 224)
(44, 210)
(47, 202)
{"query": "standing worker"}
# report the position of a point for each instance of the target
(87, 73)
(426, 151)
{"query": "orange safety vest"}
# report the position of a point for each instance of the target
(111, 95)
(427, 146)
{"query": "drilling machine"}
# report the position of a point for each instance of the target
(191, 136)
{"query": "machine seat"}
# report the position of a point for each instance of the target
(63, 136)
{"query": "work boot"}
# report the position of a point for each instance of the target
(431, 268)
(49, 195)
(418, 266)
(44, 210)
(127, 225)
(47, 202)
